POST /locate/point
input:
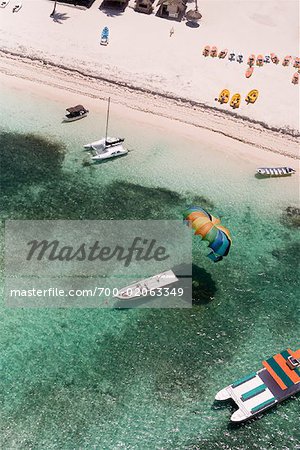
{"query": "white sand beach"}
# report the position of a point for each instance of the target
(146, 69)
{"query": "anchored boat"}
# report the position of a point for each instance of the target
(107, 147)
(255, 393)
(75, 113)
(144, 287)
(275, 171)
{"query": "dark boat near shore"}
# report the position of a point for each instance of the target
(75, 113)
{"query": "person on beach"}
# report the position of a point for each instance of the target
(171, 31)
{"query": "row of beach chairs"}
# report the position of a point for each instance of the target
(259, 60)
(253, 60)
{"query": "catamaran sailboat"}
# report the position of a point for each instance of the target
(107, 147)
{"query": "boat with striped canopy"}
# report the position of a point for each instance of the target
(255, 393)
(275, 171)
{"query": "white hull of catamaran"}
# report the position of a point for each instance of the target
(110, 152)
(103, 143)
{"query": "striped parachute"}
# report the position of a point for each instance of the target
(209, 228)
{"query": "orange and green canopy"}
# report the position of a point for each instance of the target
(209, 229)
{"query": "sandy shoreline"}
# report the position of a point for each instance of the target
(142, 56)
(67, 81)
(145, 70)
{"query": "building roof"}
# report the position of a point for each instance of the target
(144, 2)
(193, 15)
(179, 3)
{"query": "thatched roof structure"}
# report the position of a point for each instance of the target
(114, 4)
(193, 15)
(171, 9)
(76, 108)
(85, 3)
(179, 3)
(144, 6)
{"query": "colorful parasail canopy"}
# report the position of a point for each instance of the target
(209, 229)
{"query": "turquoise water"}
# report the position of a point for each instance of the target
(146, 379)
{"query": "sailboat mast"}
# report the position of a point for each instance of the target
(107, 118)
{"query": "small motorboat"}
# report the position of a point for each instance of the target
(275, 171)
(17, 7)
(148, 286)
(4, 3)
(75, 113)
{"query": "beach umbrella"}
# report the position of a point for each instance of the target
(193, 15)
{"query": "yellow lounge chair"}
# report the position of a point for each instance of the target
(224, 96)
(235, 101)
(252, 96)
